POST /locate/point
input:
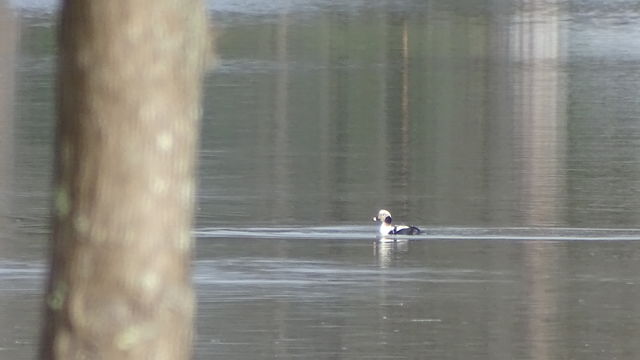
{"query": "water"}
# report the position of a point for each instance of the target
(475, 299)
(508, 130)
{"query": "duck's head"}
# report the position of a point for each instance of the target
(383, 215)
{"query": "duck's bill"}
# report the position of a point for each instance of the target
(375, 218)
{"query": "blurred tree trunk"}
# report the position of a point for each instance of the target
(128, 119)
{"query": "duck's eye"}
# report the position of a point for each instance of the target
(387, 219)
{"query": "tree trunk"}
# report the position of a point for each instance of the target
(128, 118)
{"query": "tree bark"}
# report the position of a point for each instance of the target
(128, 117)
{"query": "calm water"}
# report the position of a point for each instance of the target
(510, 130)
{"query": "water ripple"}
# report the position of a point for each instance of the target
(438, 233)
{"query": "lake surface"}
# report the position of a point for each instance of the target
(508, 130)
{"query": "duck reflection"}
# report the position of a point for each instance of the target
(386, 250)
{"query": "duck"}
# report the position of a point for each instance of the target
(387, 228)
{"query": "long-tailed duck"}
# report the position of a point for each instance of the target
(387, 228)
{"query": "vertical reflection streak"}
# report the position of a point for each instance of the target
(8, 54)
(281, 158)
(405, 122)
(539, 112)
